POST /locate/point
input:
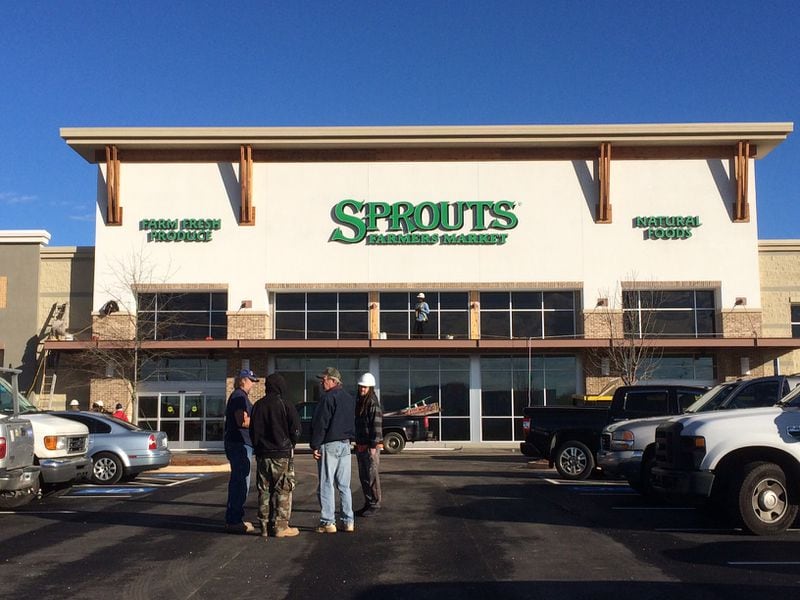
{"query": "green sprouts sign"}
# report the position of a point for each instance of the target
(426, 223)
(179, 230)
(667, 228)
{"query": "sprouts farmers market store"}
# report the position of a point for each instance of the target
(541, 251)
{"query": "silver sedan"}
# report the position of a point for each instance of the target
(120, 450)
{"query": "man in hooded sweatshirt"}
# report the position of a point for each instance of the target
(274, 430)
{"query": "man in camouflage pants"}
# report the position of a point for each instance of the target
(274, 430)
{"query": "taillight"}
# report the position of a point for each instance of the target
(3, 447)
(526, 424)
(152, 444)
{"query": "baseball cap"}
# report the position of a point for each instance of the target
(247, 374)
(331, 372)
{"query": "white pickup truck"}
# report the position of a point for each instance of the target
(59, 445)
(746, 461)
(627, 448)
(19, 477)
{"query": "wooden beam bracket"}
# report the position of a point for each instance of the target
(114, 209)
(247, 214)
(741, 211)
(604, 181)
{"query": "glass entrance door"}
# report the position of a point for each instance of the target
(190, 419)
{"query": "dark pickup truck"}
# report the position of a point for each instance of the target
(398, 429)
(569, 436)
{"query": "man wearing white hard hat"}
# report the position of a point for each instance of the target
(74, 405)
(421, 312)
(369, 440)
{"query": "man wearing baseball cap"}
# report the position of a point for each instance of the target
(332, 428)
(239, 451)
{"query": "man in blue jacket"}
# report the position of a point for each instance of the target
(332, 428)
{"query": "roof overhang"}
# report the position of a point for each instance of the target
(89, 142)
(574, 345)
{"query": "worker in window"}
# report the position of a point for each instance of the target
(421, 312)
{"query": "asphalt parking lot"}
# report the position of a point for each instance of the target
(456, 524)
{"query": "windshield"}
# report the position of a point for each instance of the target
(6, 400)
(713, 399)
(792, 398)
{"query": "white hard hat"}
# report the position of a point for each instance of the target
(421, 295)
(73, 403)
(367, 380)
(98, 403)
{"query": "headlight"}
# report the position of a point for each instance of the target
(693, 448)
(55, 442)
(622, 439)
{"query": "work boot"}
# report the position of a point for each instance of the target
(245, 527)
(287, 532)
(326, 528)
(370, 511)
(349, 527)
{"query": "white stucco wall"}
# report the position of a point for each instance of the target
(556, 238)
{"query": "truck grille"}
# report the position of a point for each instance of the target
(77, 445)
(668, 446)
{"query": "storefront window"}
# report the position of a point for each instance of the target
(795, 320)
(182, 316)
(686, 367)
(509, 384)
(322, 316)
(182, 368)
(411, 380)
(669, 313)
(300, 373)
(506, 315)
(448, 319)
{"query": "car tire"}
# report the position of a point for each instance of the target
(574, 460)
(393, 442)
(106, 468)
(759, 499)
(643, 485)
(16, 499)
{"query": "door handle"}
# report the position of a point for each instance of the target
(794, 431)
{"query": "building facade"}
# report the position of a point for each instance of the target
(548, 257)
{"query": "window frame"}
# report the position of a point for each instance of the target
(214, 328)
(335, 310)
(644, 312)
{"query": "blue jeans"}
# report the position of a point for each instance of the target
(240, 457)
(334, 469)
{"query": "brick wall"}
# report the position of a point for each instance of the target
(116, 326)
(249, 326)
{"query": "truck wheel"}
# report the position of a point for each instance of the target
(574, 460)
(16, 499)
(393, 443)
(106, 468)
(643, 486)
(759, 499)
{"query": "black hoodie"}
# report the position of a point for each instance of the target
(274, 422)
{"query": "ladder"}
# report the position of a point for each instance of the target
(56, 314)
(45, 400)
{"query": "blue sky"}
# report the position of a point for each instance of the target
(304, 63)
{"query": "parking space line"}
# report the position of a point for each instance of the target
(653, 508)
(39, 512)
(695, 529)
(751, 563)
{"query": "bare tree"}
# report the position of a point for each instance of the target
(124, 326)
(629, 319)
